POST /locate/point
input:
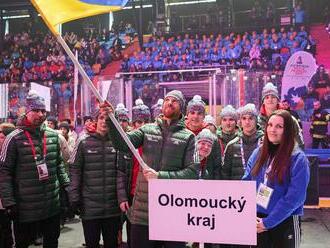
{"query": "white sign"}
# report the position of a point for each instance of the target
(105, 86)
(204, 211)
(3, 100)
(44, 92)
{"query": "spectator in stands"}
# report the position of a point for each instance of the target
(97, 67)
(270, 14)
(255, 57)
(310, 45)
(296, 47)
(299, 14)
(319, 126)
(146, 94)
(325, 102)
(321, 82)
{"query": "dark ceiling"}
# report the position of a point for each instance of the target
(14, 4)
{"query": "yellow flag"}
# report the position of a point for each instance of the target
(55, 12)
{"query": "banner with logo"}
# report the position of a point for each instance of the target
(189, 211)
(298, 72)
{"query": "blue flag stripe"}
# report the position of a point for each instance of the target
(121, 3)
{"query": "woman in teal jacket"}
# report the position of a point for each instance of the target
(281, 171)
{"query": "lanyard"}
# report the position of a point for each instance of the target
(267, 171)
(34, 153)
(242, 154)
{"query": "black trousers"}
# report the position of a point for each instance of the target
(6, 235)
(26, 232)
(108, 227)
(285, 235)
(140, 239)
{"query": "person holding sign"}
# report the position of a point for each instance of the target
(169, 151)
(281, 171)
(31, 176)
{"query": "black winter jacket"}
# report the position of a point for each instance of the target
(19, 179)
(93, 172)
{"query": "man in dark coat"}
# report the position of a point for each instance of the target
(93, 189)
(31, 175)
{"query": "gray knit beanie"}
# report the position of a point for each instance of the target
(121, 113)
(196, 104)
(269, 89)
(140, 112)
(179, 96)
(248, 109)
(34, 102)
(206, 135)
(210, 120)
(229, 111)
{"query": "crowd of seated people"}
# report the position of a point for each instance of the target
(249, 50)
(267, 51)
(26, 58)
(39, 57)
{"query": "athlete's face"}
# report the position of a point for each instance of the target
(36, 117)
(275, 129)
(204, 148)
(228, 124)
(171, 108)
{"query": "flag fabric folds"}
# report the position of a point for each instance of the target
(56, 12)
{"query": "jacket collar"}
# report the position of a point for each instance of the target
(174, 126)
(23, 124)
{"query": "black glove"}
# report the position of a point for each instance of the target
(12, 212)
(75, 206)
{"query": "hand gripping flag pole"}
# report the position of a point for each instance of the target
(91, 86)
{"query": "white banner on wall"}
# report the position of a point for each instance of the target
(44, 92)
(298, 72)
(105, 86)
(3, 100)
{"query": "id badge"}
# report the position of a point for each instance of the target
(42, 171)
(263, 196)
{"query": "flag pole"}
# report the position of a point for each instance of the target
(101, 100)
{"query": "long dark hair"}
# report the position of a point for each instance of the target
(283, 153)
